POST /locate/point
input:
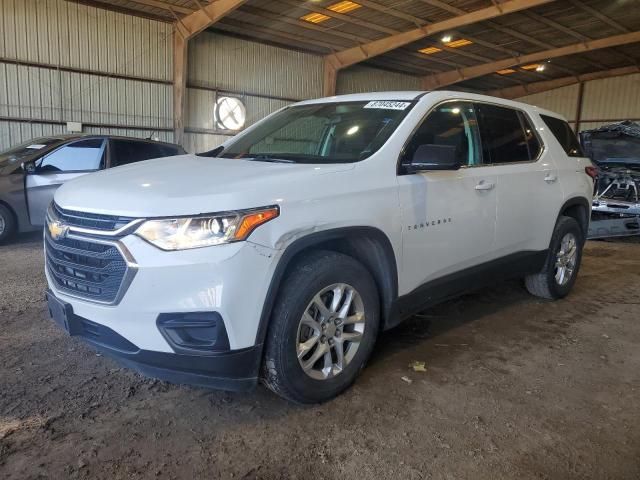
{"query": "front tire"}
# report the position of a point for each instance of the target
(563, 263)
(323, 328)
(7, 224)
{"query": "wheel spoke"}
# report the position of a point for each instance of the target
(354, 337)
(305, 347)
(315, 356)
(356, 318)
(344, 311)
(338, 292)
(322, 308)
(310, 322)
(339, 348)
(328, 363)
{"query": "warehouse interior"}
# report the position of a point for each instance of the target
(512, 386)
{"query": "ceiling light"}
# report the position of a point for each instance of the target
(455, 111)
(506, 71)
(344, 7)
(430, 50)
(446, 39)
(315, 17)
(540, 68)
(532, 66)
(353, 130)
(458, 43)
(340, 7)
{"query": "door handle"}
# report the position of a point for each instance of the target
(550, 178)
(485, 185)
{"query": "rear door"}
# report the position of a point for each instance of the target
(57, 167)
(528, 191)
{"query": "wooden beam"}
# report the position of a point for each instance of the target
(358, 54)
(184, 29)
(351, 56)
(164, 6)
(539, 87)
(454, 76)
(206, 16)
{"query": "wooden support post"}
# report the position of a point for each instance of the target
(180, 48)
(579, 106)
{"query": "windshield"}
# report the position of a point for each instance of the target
(615, 149)
(320, 133)
(11, 159)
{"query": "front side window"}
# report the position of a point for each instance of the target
(321, 133)
(450, 131)
(83, 155)
(503, 136)
(565, 136)
(11, 159)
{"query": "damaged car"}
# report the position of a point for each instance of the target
(615, 150)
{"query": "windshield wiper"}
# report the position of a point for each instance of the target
(267, 158)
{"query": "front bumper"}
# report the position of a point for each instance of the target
(231, 280)
(228, 370)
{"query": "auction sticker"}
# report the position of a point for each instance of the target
(388, 105)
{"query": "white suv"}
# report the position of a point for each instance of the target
(282, 254)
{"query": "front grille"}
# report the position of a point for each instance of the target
(85, 268)
(90, 220)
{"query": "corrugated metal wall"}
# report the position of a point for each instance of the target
(359, 79)
(61, 61)
(264, 77)
(604, 101)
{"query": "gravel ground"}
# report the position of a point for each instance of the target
(514, 387)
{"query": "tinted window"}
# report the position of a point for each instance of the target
(533, 141)
(452, 129)
(565, 136)
(82, 155)
(130, 151)
(503, 137)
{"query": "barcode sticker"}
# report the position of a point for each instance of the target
(387, 105)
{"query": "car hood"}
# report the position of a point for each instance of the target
(189, 185)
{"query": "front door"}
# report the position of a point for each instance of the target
(448, 217)
(54, 169)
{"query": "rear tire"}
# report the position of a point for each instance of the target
(563, 262)
(7, 224)
(327, 309)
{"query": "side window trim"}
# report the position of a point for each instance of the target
(103, 160)
(542, 148)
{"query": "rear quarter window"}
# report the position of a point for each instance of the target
(564, 134)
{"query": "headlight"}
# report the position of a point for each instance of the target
(203, 231)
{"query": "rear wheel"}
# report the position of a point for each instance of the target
(7, 224)
(562, 265)
(323, 328)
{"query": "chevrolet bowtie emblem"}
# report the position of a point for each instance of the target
(57, 230)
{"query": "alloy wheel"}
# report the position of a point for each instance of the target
(566, 259)
(330, 331)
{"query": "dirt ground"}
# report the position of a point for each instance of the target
(515, 387)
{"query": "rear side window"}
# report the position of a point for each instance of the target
(503, 136)
(83, 155)
(565, 136)
(124, 152)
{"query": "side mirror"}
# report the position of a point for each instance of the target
(434, 157)
(29, 167)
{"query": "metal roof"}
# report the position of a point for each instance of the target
(555, 24)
